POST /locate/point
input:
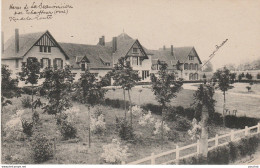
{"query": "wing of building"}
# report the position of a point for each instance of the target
(100, 58)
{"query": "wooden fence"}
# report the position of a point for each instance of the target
(217, 141)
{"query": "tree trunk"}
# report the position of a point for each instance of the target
(32, 98)
(89, 131)
(224, 108)
(162, 127)
(124, 102)
(131, 115)
(204, 132)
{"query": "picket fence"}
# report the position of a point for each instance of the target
(232, 136)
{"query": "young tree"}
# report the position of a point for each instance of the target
(31, 74)
(205, 105)
(90, 93)
(164, 87)
(249, 76)
(223, 77)
(9, 87)
(56, 87)
(126, 77)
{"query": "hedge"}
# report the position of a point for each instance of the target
(227, 154)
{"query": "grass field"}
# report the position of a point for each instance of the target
(237, 98)
(76, 151)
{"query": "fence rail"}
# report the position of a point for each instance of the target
(232, 136)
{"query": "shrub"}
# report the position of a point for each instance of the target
(195, 132)
(136, 110)
(158, 129)
(219, 155)
(240, 122)
(26, 102)
(68, 131)
(27, 127)
(13, 129)
(146, 119)
(116, 103)
(234, 151)
(155, 109)
(60, 118)
(98, 124)
(35, 117)
(124, 129)
(41, 148)
(183, 124)
(28, 90)
(114, 152)
(248, 88)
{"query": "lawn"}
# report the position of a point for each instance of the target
(76, 151)
(236, 98)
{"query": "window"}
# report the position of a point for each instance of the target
(45, 62)
(45, 49)
(49, 49)
(135, 61)
(186, 66)
(41, 48)
(191, 66)
(17, 63)
(195, 76)
(196, 66)
(59, 63)
(135, 50)
(191, 76)
(191, 57)
(145, 74)
(83, 67)
(107, 64)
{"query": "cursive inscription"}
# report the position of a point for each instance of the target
(37, 11)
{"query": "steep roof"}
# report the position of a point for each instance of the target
(96, 54)
(26, 42)
(124, 44)
(180, 54)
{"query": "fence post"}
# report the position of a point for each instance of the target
(246, 130)
(216, 140)
(123, 162)
(152, 159)
(177, 154)
(198, 147)
(232, 135)
(258, 128)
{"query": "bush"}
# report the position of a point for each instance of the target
(116, 103)
(146, 119)
(183, 124)
(27, 127)
(68, 131)
(234, 151)
(35, 117)
(26, 102)
(196, 160)
(98, 124)
(219, 155)
(60, 118)
(114, 152)
(240, 122)
(124, 129)
(158, 129)
(155, 109)
(41, 148)
(28, 90)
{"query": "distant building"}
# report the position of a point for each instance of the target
(98, 59)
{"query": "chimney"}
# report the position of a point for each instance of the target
(100, 41)
(103, 40)
(114, 44)
(16, 40)
(172, 50)
(164, 48)
(3, 42)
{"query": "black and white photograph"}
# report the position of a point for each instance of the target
(130, 82)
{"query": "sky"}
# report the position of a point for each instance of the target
(199, 23)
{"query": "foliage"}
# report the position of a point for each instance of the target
(158, 128)
(146, 119)
(233, 77)
(60, 117)
(248, 88)
(9, 87)
(35, 117)
(89, 90)
(57, 84)
(155, 109)
(29, 90)
(71, 114)
(136, 111)
(204, 97)
(124, 129)
(27, 127)
(26, 102)
(195, 132)
(116, 103)
(41, 148)
(240, 122)
(106, 80)
(183, 124)
(97, 124)
(68, 130)
(114, 152)
(223, 77)
(249, 76)
(220, 155)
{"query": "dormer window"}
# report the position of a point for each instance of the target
(191, 57)
(83, 66)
